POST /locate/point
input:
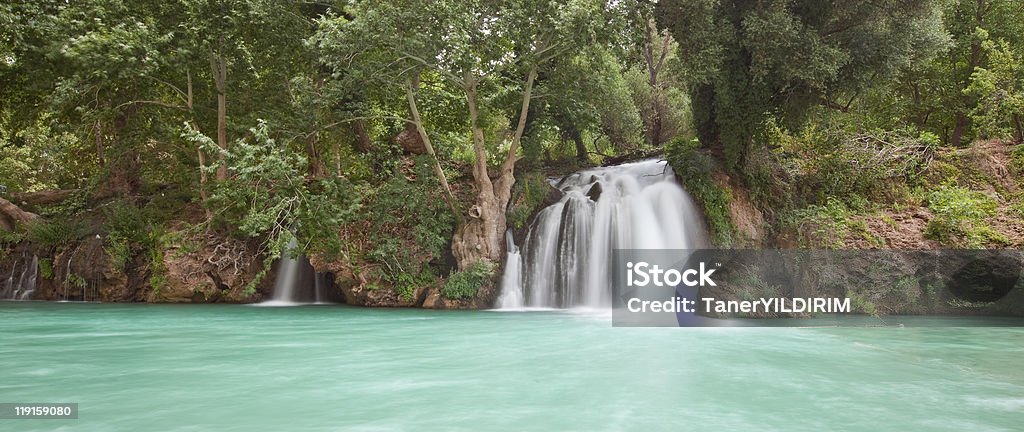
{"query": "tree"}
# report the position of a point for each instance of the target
(999, 90)
(751, 61)
(466, 47)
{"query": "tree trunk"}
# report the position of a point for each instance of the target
(1018, 126)
(218, 69)
(98, 129)
(480, 237)
(655, 61)
(11, 214)
(316, 162)
(203, 179)
(958, 129)
(363, 142)
(42, 198)
(123, 165)
(414, 110)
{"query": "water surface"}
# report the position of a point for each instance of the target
(331, 368)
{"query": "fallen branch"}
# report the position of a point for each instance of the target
(11, 214)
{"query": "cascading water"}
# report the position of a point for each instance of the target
(565, 260)
(287, 277)
(21, 282)
(297, 283)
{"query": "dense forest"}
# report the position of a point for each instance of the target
(179, 148)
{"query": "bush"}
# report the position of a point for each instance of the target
(829, 223)
(1017, 159)
(961, 217)
(268, 197)
(466, 283)
(411, 224)
(55, 233)
(832, 162)
(533, 189)
(694, 170)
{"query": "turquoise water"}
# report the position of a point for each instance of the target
(325, 368)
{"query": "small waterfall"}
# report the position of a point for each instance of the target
(512, 292)
(67, 273)
(297, 283)
(287, 276)
(21, 282)
(565, 260)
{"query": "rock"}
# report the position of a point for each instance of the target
(433, 300)
(595, 192)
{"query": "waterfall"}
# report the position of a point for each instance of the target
(565, 260)
(21, 282)
(287, 276)
(297, 283)
(511, 298)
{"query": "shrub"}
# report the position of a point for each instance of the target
(411, 224)
(1017, 159)
(466, 283)
(960, 217)
(55, 233)
(830, 224)
(268, 197)
(694, 170)
(533, 189)
(46, 268)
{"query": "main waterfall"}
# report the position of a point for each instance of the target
(565, 260)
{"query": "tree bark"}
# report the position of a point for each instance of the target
(410, 97)
(480, 237)
(203, 179)
(11, 214)
(973, 61)
(1018, 125)
(218, 69)
(363, 142)
(98, 130)
(41, 198)
(655, 61)
(958, 129)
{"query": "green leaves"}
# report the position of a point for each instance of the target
(268, 197)
(999, 90)
(776, 59)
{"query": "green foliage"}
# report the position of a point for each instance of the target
(533, 189)
(694, 170)
(11, 238)
(130, 232)
(8, 240)
(961, 217)
(999, 90)
(752, 62)
(269, 198)
(861, 303)
(56, 233)
(831, 224)
(466, 283)
(830, 162)
(46, 268)
(1017, 159)
(411, 226)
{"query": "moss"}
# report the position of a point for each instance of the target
(694, 170)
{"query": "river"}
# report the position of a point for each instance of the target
(331, 368)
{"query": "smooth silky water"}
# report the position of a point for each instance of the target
(328, 368)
